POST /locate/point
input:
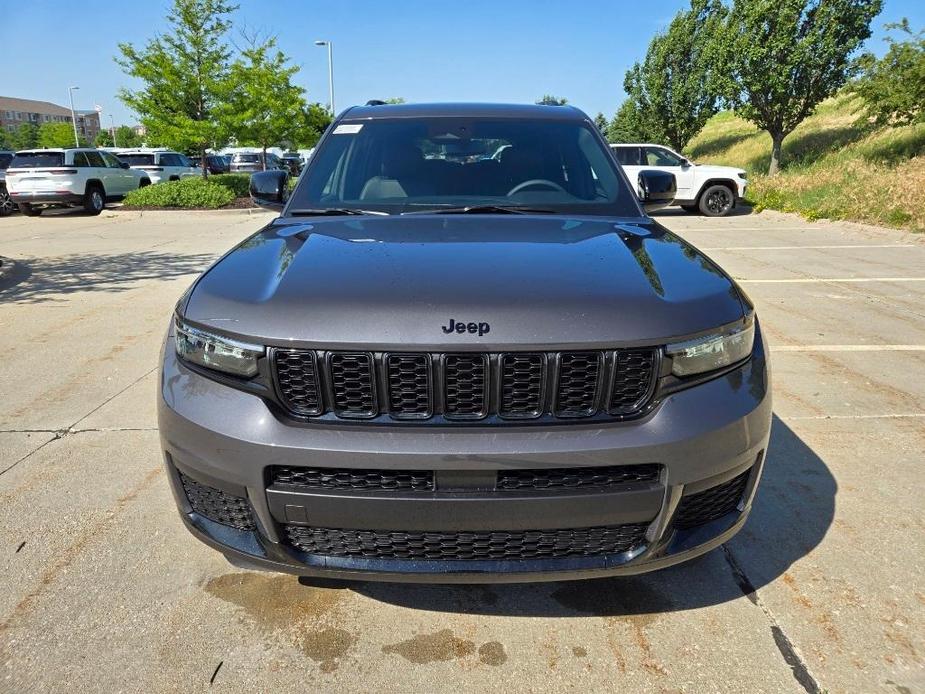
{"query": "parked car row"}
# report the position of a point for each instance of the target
(6, 203)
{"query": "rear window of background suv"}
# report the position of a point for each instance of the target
(37, 160)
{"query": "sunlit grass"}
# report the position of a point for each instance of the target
(836, 165)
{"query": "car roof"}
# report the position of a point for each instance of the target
(479, 110)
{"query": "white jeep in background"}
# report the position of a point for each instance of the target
(80, 177)
(159, 164)
(711, 190)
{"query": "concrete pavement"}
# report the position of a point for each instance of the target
(101, 589)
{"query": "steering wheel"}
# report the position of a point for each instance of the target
(536, 182)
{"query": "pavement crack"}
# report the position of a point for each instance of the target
(215, 672)
(787, 650)
(112, 397)
(57, 435)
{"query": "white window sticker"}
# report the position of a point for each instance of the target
(348, 128)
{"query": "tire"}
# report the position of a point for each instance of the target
(6, 203)
(144, 182)
(716, 201)
(94, 199)
(29, 210)
(690, 209)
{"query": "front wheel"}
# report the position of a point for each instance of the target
(6, 203)
(94, 202)
(716, 201)
(29, 210)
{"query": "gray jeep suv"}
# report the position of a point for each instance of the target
(441, 365)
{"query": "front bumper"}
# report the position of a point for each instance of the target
(703, 438)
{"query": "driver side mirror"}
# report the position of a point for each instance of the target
(124, 165)
(270, 189)
(656, 189)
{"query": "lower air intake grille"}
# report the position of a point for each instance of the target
(352, 478)
(217, 505)
(577, 477)
(468, 546)
(711, 503)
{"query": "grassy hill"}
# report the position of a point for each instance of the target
(836, 165)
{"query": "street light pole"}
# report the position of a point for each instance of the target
(112, 121)
(330, 45)
(70, 93)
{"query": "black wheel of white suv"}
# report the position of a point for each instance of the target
(6, 202)
(716, 201)
(94, 199)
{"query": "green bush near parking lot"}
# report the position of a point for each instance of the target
(239, 184)
(188, 193)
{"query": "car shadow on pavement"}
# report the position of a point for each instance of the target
(793, 510)
(740, 210)
(42, 280)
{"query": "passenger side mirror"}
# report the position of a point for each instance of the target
(656, 189)
(124, 165)
(270, 189)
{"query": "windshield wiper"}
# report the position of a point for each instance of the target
(484, 209)
(333, 212)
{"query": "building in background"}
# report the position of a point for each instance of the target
(14, 112)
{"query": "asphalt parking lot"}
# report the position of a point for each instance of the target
(101, 588)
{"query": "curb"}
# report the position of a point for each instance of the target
(239, 211)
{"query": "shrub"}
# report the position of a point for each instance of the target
(188, 193)
(239, 184)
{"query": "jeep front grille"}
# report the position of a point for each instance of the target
(472, 386)
(467, 546)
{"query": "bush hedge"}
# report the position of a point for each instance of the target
(239, 184)
(187, 193)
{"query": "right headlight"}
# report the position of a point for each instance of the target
(216, 352)
(727, 346)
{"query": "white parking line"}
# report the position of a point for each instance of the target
(798, 280)
(803, 248)
(848, 348)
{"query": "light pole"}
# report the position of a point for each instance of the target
(330, 46)
(70, 93)
(113, 123)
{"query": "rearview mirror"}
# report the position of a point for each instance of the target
(656, 189)
(270, 189)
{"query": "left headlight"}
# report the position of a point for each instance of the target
(215, 352)
(727, 346)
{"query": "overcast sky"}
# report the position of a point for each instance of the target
(500, 50)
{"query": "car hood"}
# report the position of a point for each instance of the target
(398, 281)
(714, 170)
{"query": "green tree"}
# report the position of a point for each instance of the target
(57, 135)
(782, 57)
(125, 137)
(313, 121)
(894, 86)
(600, 120)
(26, 136)
(183, 73)
(263, 107)
(550, 100)
(5, 142)
(628, 125)
(676, 88)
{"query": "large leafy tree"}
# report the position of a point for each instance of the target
(313, 121)
(57, 135)
(894, 86)
(629, 125)
(262, 106)
(26, 136)
(600, 120)
(183, 73)
(676, 88)
(782, 57)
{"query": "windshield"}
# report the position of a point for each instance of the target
(137, 159)
(402, 165)
(37, 159)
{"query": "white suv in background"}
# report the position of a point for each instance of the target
(159, 164)
(81, 177)
(710, 190)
